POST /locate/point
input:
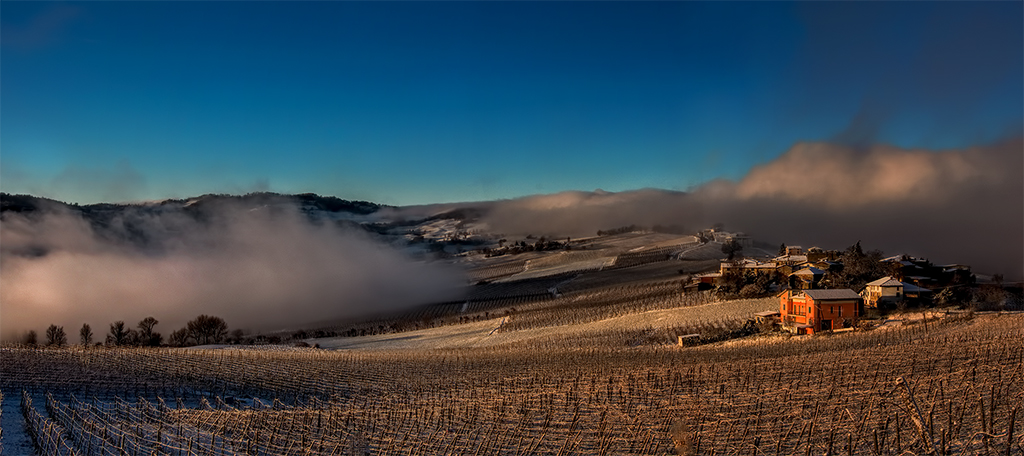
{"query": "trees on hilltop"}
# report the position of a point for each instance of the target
(55, 336)
(85, 335)
(118, 335)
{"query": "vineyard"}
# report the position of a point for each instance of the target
(952, 386)
(598, 273)
(584, 307)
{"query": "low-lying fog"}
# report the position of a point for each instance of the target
(962, 206)
(266, 268)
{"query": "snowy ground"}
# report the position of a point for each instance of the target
(584, 265)
(485, 334)
(14, 439)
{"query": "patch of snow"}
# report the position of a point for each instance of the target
(15, 438)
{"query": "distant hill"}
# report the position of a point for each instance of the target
(306, 201)
(146, 225)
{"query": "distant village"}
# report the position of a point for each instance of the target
(830, 290)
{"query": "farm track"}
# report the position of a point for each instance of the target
(949, 387)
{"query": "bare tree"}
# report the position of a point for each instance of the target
(180, 337)
(119, 335)
(206, 329)
(30, 338)
(55, 336)
(146, 336)
(85, 334)
(731, 248)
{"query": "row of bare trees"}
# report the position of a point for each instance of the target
(204, 329)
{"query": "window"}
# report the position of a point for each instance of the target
(840, 311)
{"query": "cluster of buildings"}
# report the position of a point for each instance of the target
(804, 269)
(804, 308)
(808, 311)
(922, 273)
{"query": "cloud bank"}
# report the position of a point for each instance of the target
(964, 206)
(264, 268)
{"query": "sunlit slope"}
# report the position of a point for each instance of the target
(489, 332)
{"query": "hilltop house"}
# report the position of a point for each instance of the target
(816, 254)
(889, 291)
(740, 238)
(790, 260)
(725, 236)
(921, 272)
(746, 266)
(811, 311)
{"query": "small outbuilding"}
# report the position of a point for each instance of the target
(766, 316)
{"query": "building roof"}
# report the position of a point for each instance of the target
(792, 258)
(810, 270)
(829, 295)
(911, 288)
(747, 263)
(740, 262)
(886, 281)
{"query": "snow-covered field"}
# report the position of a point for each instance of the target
(485, 333)
(532, 272)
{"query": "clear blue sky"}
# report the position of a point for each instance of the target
(407, 103)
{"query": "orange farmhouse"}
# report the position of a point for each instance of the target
(811, 311)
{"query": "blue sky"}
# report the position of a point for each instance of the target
(410, 103)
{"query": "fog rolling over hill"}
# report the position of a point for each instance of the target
(258, 264)
(962, 206)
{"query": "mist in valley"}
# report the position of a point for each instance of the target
(260, 268)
